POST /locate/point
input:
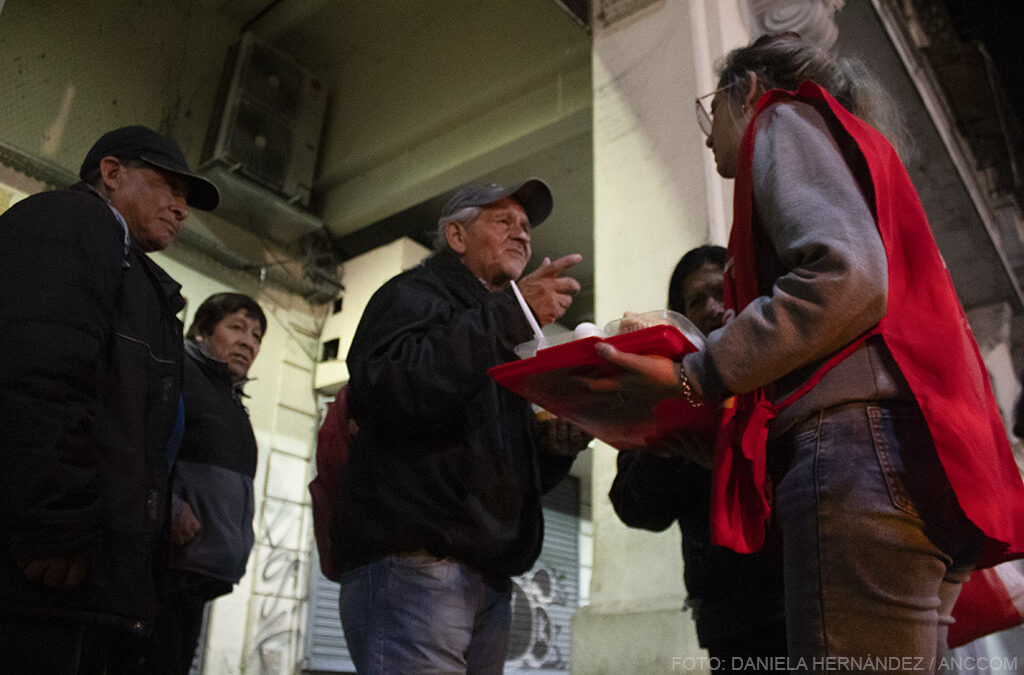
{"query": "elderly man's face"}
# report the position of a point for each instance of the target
(152, 202)
(496, 247)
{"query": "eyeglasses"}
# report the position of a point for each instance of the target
(703, 116)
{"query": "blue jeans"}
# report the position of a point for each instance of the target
(415, 613)
(875, 545)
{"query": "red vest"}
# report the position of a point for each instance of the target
(924, 328)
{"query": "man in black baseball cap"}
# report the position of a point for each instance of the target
(142, 143)
(144, 177)
(90, 384)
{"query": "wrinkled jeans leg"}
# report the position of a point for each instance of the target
(356, 601)
(875, 546)
(489, 646)
(419, 614)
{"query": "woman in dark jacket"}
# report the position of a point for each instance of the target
(736, 599)
(211, 531)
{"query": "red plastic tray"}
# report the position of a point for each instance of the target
(552, 380)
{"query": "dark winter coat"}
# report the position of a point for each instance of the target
(732, 594)
(445, 460)
(214, 472)
(90, 381)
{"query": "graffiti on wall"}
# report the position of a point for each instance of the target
(276, 596)
(536, 628)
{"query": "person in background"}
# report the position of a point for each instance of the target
(736, 599)
(863, 421)
(90, 381)
(440, 500)
(212, 508)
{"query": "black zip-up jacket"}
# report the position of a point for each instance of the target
(214, 471)
(90, 382)
(732, 594)
(445, 460)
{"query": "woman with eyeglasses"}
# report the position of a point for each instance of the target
(857, 413)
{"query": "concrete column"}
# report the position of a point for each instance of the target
(991, 326)
(656, 195)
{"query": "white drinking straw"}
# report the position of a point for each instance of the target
(541, 342)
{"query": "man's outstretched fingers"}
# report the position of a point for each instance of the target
(563, 263)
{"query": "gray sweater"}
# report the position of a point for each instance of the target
(823, 274)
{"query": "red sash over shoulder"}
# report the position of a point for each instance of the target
(925, 329)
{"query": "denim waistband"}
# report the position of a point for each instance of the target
(780, 449)
(812, 420)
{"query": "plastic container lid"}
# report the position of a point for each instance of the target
(628, 323)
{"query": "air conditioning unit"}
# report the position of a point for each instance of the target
(268, 123)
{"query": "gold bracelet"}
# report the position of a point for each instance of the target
(684, 382)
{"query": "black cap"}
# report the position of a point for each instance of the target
(533, 195)
(139, 142)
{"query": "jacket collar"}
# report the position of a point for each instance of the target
(206, 361)
(170, 288)
(458, 278)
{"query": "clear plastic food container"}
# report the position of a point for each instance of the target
(629, 322)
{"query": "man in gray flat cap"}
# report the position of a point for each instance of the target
(90, 413)
(440, 501)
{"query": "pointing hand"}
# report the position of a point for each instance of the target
(547, 292)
